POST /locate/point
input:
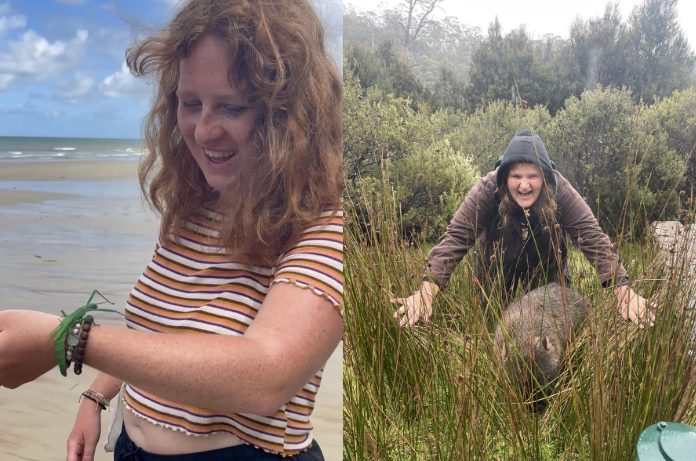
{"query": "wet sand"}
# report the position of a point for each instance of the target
(84, 227)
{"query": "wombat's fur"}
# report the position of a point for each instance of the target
(533, 335)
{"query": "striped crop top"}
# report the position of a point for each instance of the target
(190, 286)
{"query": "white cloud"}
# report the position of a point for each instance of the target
(33, 58)
(11, 22)
(123, 83)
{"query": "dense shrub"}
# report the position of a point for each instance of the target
(395, 152)
(591, 142)
(484, 134)
(673, 119)
(429, 186)
(626, 174)
(378, 128)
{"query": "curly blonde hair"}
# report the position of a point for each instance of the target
(279, 60)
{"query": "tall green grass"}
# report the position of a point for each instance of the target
(437, 391)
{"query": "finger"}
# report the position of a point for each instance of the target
(653, 306)
(420, 316)
(408, 318)
(403, 320)
(399, 315)
(644, 318)
(399, 311)
(399, 301)
(640, 317)
(625, 315)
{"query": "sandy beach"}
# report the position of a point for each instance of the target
(69, 227)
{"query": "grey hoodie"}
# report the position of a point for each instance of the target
(526, 147)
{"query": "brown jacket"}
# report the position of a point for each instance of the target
(480, 209)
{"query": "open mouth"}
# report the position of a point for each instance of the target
(219, 157)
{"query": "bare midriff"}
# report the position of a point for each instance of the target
(160, 440)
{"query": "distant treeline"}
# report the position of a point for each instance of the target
(615, 104)
(449, 64)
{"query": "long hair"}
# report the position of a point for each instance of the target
(279, 60)
(545, 254)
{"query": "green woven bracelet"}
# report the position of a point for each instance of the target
(60, 334)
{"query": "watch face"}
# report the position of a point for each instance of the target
(73, 340)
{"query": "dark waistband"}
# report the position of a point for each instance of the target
(126, 450)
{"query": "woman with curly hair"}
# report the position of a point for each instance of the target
(517, 218)
(232, 321)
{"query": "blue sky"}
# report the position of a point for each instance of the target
(62, 64)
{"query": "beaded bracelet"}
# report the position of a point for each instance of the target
(61, 333)
(96, 397)
(70, 343)
(79, 350)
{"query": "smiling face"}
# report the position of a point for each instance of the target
(524, 183)
(215, 119)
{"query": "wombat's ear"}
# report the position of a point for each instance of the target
(503, 350)
(545, 342)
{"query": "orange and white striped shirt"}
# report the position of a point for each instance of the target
(191, 286)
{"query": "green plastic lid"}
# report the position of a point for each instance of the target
(667, 442)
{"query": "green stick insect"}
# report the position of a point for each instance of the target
(61, 332)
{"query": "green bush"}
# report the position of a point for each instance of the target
(673, 119)
(484, 134)
(378, 128)
(385, 139)
(429, 186)
(591, 142)
(626, 175)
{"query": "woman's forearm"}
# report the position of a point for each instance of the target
(255, 373)
(199, 370)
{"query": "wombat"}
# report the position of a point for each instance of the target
(533, 335)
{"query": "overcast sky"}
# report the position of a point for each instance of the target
(539, 16)
(62, 69)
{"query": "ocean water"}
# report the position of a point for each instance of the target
(26, 149)
(43, 149)
(91, 189)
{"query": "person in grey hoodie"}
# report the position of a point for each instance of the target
(517, 219)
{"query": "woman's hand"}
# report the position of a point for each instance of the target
(417, 307)
(26, 347)
(83, 439)
(633, 306)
